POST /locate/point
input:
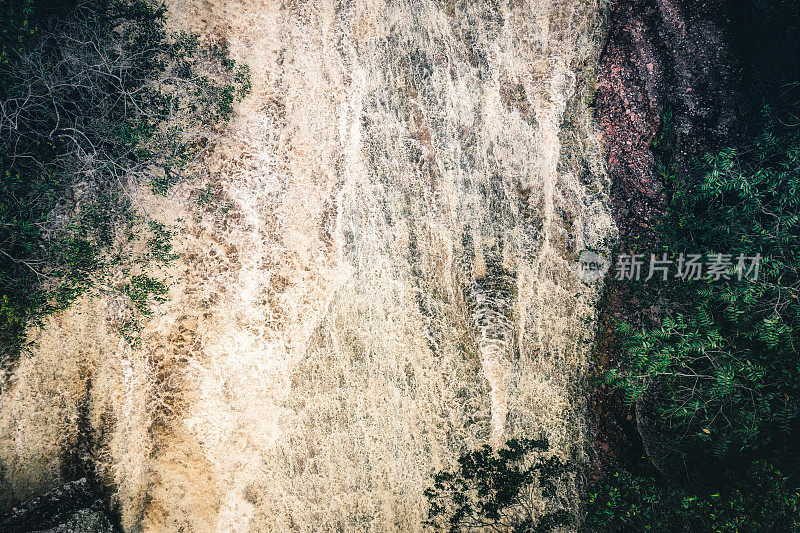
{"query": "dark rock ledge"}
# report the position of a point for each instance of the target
(74, 507)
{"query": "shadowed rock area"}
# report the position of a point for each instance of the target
(662, 58)
(661, 55)
(72, 508)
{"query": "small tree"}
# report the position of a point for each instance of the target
(499, 490)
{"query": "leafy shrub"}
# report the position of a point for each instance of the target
(721, 369)
(761, 500)
(498, 490)
(724, 366)
(95, 99)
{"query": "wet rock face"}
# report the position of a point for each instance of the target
(72, 508)
(661, 54)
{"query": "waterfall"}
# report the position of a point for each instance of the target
(387, 277)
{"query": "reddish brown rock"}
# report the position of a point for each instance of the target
(660, 55)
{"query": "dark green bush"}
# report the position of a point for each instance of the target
(720, 373)
(761, 500)
(718, 377)
(724, 366)
(499, 490)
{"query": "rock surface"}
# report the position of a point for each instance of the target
(72, 508)
(661, 57)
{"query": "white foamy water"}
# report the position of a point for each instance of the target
(394, 283)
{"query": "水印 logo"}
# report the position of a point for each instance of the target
(592, 266)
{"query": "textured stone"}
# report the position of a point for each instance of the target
(660, 55)
(74, 507)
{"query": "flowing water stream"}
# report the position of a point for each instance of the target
(391, 282)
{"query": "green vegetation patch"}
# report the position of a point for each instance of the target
(97, 99)
(499, 490)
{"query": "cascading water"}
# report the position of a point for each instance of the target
(387, 280)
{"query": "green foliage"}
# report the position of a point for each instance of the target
(143, 292)
(21, 21)
(160, 243)
(720, 371)
(96, 97)
(498, 489)
(760, 501)
(141, 289)
(724, 366)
